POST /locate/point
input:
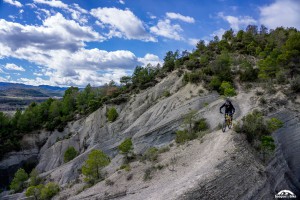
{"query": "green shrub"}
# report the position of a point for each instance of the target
(273, 124)
(151, 154)
(126, 167)
(182, 136)
(227, 89)
(262, 101)
(253, 126)
(34, 178)
(70, 154)
(215, 83)
(18, 183)
(126, 146)
(166, 93)
(93, 166)
(109, 182)
(34, 191)
(267, 145)
(295, 84)
(49, 191)
(247, 72)
(112, 114)
(229, 92)
(201, 125)
(164, 149)
(148, 174)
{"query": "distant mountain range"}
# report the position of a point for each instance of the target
(22, 90)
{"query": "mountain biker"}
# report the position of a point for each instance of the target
(229, 109)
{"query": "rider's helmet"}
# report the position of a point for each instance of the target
(227, 102)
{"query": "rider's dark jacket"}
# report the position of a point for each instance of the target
(228, 108)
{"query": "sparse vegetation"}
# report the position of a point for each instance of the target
(151, 154)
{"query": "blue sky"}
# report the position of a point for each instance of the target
(64, 42)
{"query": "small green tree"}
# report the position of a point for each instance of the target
(70, 154)
(49, 191)
(94, 164)
(112, 114)
(126, 148)
(18, 183)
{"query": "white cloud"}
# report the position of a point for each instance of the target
(236, 23)
(122, 21)
(52, 3)
(121, 2)
(284, 13)
(193, 41)
(55, 33)
(166, 29)
(11, 66)
(75, 10)
(218, 33)
(13, 2)
(178, 16)
(150, 59)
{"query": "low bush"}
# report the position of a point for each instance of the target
(34, 191)
(295, 84)
(34, 178)
(273, 124)
(41, 192)
(201, 125)
(166, 93)
(70, 154)
(49, 191)
(253, 126)
(151, 154)
(182, 136)
(112, 114)
(227, 89)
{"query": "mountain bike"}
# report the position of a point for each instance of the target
(227, 122)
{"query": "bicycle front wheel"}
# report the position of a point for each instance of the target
(230, 124)
(224, 127)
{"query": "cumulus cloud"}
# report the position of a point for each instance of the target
(52, 3)
(122, 22)
(218, 33)
(164, 28)
(193, 41)
(55, 33)
(150, 59)
(284, 13)
(178, 16)
(75, 10)
(11, 66)
(236, 23)
(13, 2)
